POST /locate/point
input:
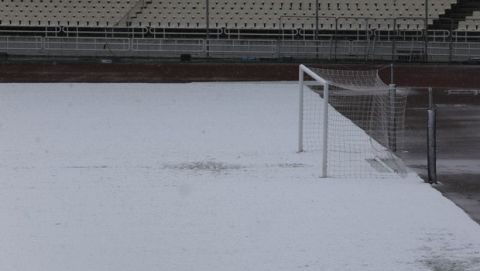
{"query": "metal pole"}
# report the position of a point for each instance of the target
(207, 17)
(300, 111)
(335, 36)
(391, 74)
(394, 45)
(432, 139)
(394, 31)
(430, 98)
(316, 19)
(325, 130)
(392, 125)
(450, 42)
(207, 21)
(316, 28)
(426, 30)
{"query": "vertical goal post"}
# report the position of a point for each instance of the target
(302, 71)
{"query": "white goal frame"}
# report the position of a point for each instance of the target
(378, 129)
(301, 75)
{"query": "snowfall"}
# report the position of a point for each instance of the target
(200, 176)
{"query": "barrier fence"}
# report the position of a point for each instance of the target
(333, 49)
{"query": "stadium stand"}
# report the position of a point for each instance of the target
(459, 16)
(95, 13)
(277, 14)
(241, 14)
(471, 23)
(250, 29)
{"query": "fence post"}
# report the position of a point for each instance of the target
(432, 139)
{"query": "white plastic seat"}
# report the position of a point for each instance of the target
(263, 14)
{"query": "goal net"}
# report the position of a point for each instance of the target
(353, 119)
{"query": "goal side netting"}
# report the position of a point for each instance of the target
(353, 120)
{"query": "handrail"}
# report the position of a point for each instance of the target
(31, 30)
(366, 29)
(164, 32)
(360, 49)
(105, 31)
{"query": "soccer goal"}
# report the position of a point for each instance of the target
(353, 119)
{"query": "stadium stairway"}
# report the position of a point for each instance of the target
(134, 12)
(144, 6)
(458, 12)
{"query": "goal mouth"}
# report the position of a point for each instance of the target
(354, 119)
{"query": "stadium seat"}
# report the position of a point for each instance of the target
(234, 14)
(471, 23)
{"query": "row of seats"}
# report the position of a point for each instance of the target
(471, 23)
(241, 14)
(295, 23)
(63, 12)
(279, 14)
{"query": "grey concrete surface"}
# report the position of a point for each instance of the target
(458, 142)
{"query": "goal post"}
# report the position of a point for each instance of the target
(353, 119)
(304, 70)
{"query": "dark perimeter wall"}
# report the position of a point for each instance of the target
(455, 76)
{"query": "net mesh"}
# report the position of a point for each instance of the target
(367, 80)
(365, 123)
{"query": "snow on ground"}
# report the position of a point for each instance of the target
(200, 176)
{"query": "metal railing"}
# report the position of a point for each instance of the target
(45, 31)
(413, 50)
(106, 32)
(164, 33)
(174, 46)
(287, 28)
(229, 48)
(87, 44)
(21, 43)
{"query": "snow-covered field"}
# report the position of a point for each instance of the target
(200, 176)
